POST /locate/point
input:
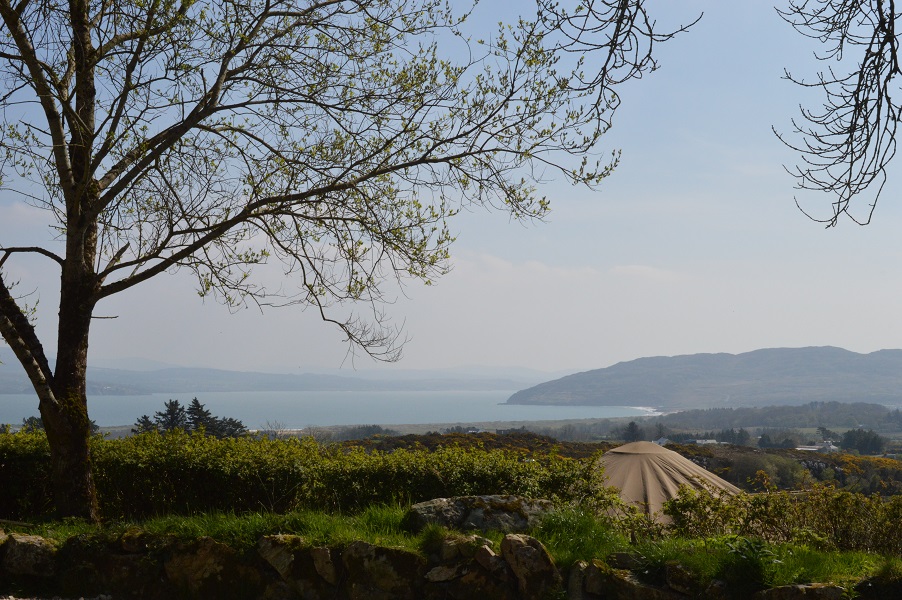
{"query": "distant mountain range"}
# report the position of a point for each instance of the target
(147, 377)
(777, 376)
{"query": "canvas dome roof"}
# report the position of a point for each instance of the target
(648, 474)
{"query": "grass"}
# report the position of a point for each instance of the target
(695, 555)
(748, 565)
(377, 524)
(890, 568)
(805, 565)
(569, 535)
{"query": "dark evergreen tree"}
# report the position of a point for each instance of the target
(633, 433)
(827, 434)
(227, 427)
(195, 418)
(726, 435)
(144, 425)
(199, 417)
(660, 430)
(865, 442)
(172, 417)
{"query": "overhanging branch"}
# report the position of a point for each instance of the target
(7, 252)
(20, 335)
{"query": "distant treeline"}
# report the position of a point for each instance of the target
(814, 414)
(742, 425)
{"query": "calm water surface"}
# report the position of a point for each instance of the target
(300, 409)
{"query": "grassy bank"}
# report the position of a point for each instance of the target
(570, 535)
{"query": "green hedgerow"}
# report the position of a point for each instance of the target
(178, 473)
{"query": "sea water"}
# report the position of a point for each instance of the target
(295, 410)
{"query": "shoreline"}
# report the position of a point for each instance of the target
(117, 431)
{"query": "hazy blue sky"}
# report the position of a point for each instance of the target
(693, 245)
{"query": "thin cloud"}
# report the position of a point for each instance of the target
(647, 273)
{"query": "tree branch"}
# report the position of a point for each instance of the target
(33, 249)
(16, 29)
(850, 140)
(20, 335)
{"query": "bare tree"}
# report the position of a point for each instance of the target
(849, 141)
(274, 430)
(334, 136)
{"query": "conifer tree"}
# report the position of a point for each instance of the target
(144, 425)
(199, 417)
(172, 417)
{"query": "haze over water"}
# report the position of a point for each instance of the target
(301, 409)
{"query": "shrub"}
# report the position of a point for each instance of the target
(822, 517)
(181, 473)
(781, 471)
(702, 513)
(24, 475)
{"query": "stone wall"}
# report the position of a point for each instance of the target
(284, 567)
(138, 565)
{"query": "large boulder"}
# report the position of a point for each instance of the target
(28, 555)
(510, 514)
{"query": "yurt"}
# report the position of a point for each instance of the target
(648, 474)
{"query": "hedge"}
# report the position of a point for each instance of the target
(178, 473)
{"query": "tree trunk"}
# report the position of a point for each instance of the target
(62, 400)
(70, 455)
(66, 421)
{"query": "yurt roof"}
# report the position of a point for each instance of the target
(648, 474)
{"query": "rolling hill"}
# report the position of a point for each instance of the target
(775, 376)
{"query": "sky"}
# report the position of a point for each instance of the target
(694, 244)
